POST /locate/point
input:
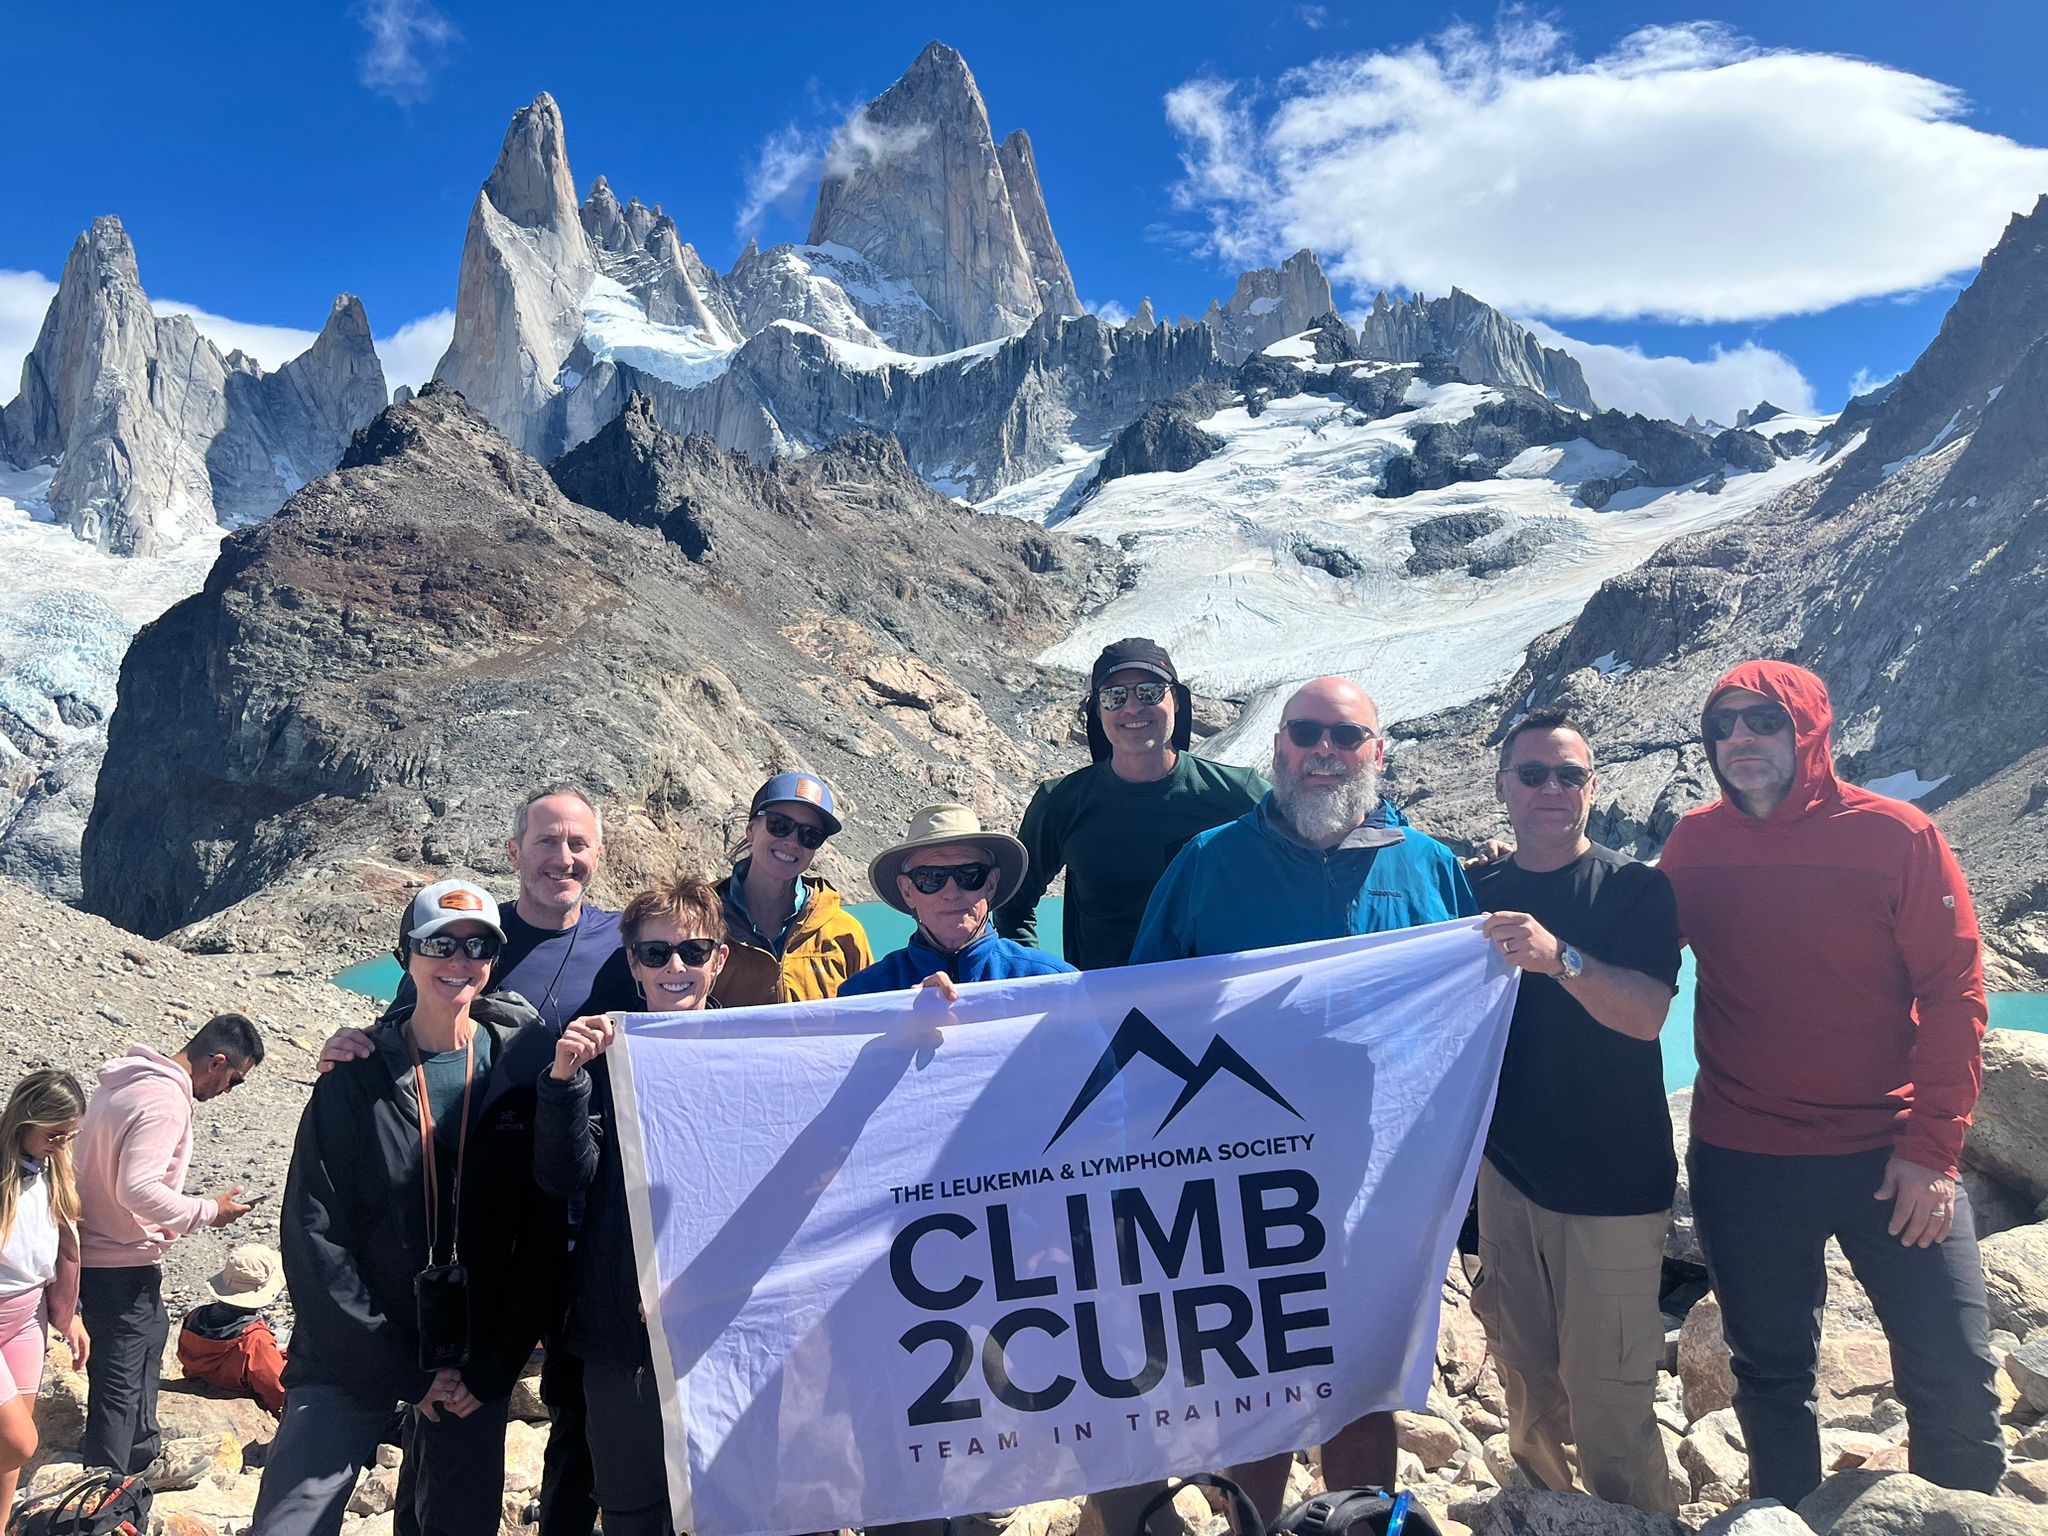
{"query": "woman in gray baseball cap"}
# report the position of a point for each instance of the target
(422, 1257)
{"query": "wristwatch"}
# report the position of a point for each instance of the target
(1571, 965)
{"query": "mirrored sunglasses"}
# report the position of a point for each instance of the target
(783, 826)
(1763, 719)
(932, 878)
(439, 946)
(1343, 735)
(653, 954)
(1113, 697)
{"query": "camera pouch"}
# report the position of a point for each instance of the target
(441, 1296)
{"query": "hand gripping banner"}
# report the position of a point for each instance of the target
(901, 1259)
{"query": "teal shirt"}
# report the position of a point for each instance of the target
(444, 1082)
(1115, 839)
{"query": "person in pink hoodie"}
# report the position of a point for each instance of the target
(132, 1154)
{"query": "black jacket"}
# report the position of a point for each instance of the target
(576, 1151)
(353, 1230)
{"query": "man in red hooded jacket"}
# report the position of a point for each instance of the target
(1838, 1020)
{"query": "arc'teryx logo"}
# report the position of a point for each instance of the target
(1139, 1036)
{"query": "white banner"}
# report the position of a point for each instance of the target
(1075, 1232)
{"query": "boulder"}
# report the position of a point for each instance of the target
(1712, 1452)
(60, 1411)
(525, 1405)
(1756, 1517)
(1865, 1503)
(1433, 1441)
(1532, 1512)
(376, 1493)
(2028, 1368)
(2016, 1278)
(1054, 1517)
(1703, 1370)
(1995, 1206)
(192, 1410)
(526, 1447)
(2028, 1480)
(1682, 1241)
(2008, 1136)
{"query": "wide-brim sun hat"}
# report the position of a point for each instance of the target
(798, 789)
(937, 825)
(252, 1278)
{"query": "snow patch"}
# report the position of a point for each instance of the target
(616, 330)
(866, 359)
(1264, 306)
(1295, 349)
(1572, 462)
(1611, 665)
(1904, 785)
(1913, 458)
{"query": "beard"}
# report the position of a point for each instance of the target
(1324, 816)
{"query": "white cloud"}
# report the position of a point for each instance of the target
(791, 160)
(408, 41)
(1863, 381)
(24, 299)
(1686, 173)
(1728, 380)
(1107, 310)
(410, 353)
(1314, 17)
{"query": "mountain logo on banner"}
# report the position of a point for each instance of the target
(1139, 1036)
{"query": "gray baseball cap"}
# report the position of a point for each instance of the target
(444, 904)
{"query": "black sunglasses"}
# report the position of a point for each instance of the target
(780, 825)
(1569, 775)
(1763, 719)
(1112, 698)
(932, 878)
(439, 946)
(653, 954)
(1343, 735)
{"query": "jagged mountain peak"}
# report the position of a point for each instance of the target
(530, 184)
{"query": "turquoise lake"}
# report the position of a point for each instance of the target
(888, 929)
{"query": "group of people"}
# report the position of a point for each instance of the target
(458, 1189)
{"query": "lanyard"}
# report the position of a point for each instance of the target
(430, 1185)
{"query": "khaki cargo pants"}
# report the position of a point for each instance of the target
(1570, 1309)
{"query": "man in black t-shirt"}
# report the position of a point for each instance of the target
(1575, 1192)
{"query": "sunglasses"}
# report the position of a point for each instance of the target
(439, 946)
(1344, 736)
(932, 878)
(783, 826)
(60, 1138)
(1116, 695)
(653, 954)
(1762, 719)
(1568, 775)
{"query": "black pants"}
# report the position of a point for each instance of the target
(567, 1504)
(1764, 1223)
(628, 1453)
(326, 1437)
(124, 1312)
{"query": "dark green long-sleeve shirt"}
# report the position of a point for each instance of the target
(1115, 839)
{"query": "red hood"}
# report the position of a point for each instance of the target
(1805, 698)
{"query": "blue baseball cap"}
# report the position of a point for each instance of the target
(797, 789)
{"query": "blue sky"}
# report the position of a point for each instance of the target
(1784, 189)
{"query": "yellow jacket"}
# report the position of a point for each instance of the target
(826, 945)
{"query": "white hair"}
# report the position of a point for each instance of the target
(1320, 817)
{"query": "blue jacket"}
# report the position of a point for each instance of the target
(1251, 884)
(989, 958)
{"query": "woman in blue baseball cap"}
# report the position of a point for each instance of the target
(792, 938)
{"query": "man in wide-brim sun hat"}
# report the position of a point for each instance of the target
(948, 872)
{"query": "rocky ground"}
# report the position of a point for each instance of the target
(74, 990)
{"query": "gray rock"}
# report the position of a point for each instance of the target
(434, 627)
(1757, 1517)
(917, 187)
(1900, 1504)
(2028, 1367)
(1165, 439)
(1518, 1511)
(1271, 303)
(1027, 198)
(1441, 543)
(1743, 452)
(1482, 343)
(2008, 1136)
(2016, 1278)
(526, 268)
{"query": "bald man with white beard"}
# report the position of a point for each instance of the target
(1321, 857)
